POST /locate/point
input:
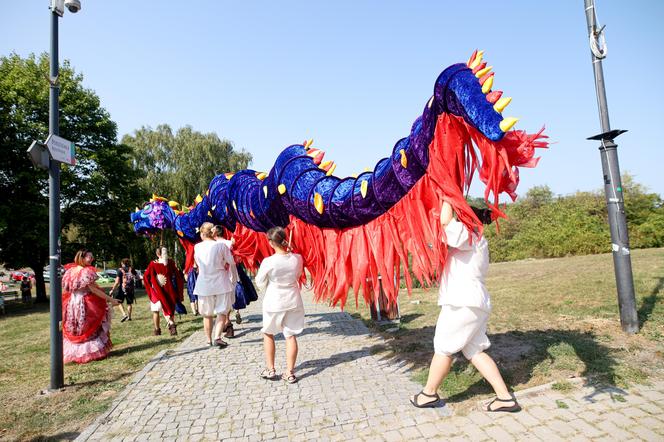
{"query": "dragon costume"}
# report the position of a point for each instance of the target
(382, 222)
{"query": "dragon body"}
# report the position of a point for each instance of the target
(353, 230)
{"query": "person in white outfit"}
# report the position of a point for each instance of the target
(464, 313)
(215, 285)
(283, 311)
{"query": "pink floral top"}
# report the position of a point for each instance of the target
(77, 278)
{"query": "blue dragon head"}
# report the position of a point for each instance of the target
(156, 215)
(465, 90)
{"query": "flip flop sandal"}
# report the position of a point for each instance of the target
(427, 404)
(269, 374)
(507, 409)
(220, 343)
(238, 318)
(291, 379)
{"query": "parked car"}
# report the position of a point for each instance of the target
(112, 272)
(105, 278)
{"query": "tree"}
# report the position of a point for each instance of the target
(97, 193)
(181, 166)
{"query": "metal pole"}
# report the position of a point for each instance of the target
(57, 375)
(613, 190)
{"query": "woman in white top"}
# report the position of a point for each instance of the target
(464, 313)
(283, 311)
(215, 284)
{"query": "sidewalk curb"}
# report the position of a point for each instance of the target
(138, 377)
(539, 389)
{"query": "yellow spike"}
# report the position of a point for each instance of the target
(180, 233)
(486, 87)
(281, 189)
(308, 143)
(477, 61)
(261, 176)
(137, 209)
(501, 104)
(325, 164)
(209, 214)
(404, 159)
(363, 188)
(508, 123)
(207, 192)
(199, 198)
(430, 102)
(318, 203)
(265, 191)
(234, 205)
(331, 171)
(354, 175)
(481, 72)
(366, 169)
(173, 204)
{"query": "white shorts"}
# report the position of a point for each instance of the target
(216, 304)
(155, 307)
(461, 329)
(290, 322)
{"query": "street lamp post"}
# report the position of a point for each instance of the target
(612, 184)
(55, 288)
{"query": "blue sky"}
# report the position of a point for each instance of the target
(354, 75)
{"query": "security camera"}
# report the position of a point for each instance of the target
(73, 5)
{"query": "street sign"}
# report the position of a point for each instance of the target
(61, 150)
(39, 155)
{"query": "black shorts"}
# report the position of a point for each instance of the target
(121, 295)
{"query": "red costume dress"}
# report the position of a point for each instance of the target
(164, 283)
(86, 318)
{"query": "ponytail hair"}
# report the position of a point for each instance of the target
(278, 236)
(79, 259)
(484, 215)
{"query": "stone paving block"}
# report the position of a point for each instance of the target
(646, 434)
(498, 434)
(585, 428)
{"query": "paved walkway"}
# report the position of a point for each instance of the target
(345, 393)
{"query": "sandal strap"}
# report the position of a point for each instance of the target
(512, 399)
(428, 395)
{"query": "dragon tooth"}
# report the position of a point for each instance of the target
(404, 159)
(318, 203)
(363, 188)
(486, 87)
(508, 123)
(482, 72)
(281, 189)
(501, 104)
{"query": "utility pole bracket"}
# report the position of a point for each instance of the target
(610, 135)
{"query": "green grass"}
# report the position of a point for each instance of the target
(552, 319)
(90, 388)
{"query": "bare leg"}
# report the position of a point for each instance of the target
(291, 354)
(488, 368)
(207, 325)
(268, 346)
(439, 368)
(121, 306)
(130, 308)
(155, 320)
(221, 325)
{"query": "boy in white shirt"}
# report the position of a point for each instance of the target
(465, 307)
(215, 285)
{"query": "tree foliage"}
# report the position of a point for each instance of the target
(97, 194)
(180, 166)
(542, 225)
